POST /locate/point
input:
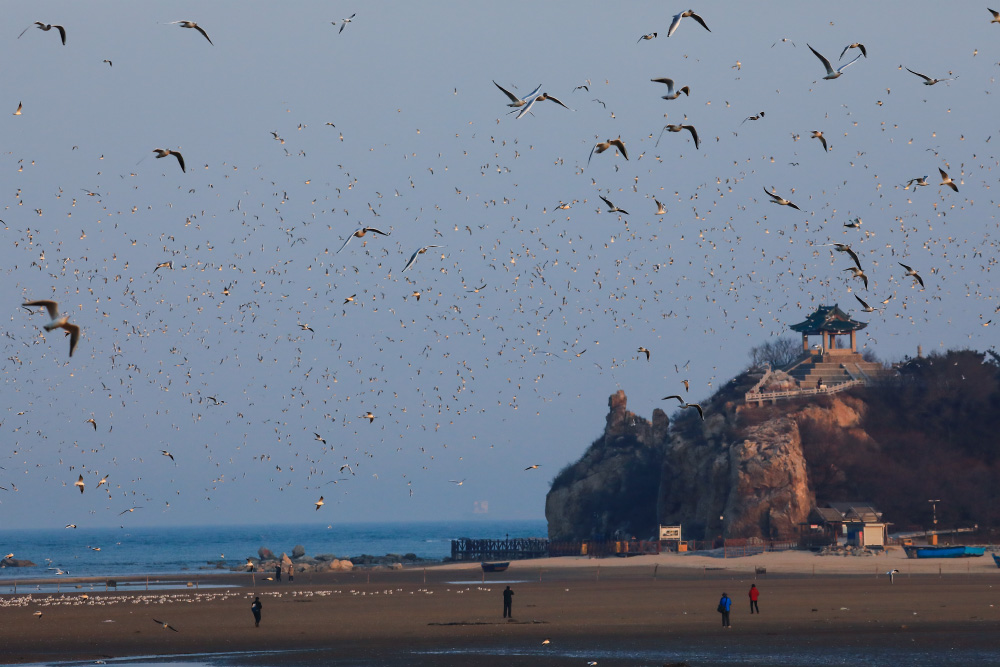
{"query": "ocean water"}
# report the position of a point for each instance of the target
(179, 550)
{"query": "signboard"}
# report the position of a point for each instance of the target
(670, 533)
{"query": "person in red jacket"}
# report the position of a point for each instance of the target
(754, 594)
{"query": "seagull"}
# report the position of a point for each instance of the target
(843, 247)
(540, 98)
(855, 45)
(20, 105)
(927, 80)
(359, 233)
(79, 483)
(830, 72)
(757, 117)
(602, 146)
(642, 350)
(164, 265)
(46, 27)
(130, 509)
(457, 482)
(349, 299)
(320, 438)
(166, 626)
(166, 453)
(419, 251)
(687, 385)
(891, 574)
(853, 224)
(922, 180)
(319, 503)
(37, 614)
(58, 321)
(781, 201)
(858, 273)
(369, 416)
(104, 480)
(71, 525)
(996, 15)
(164, 152)
(92, 422)
(533, 467)
(678, 128)
(192, 24)
(659, 207)
(651, 35)
(516, 101)
(911, 272)
(864, 306)
(344, 22)
(671, 94)
(696, 406)
(817, 134)
(946, 180)
(611, 207)
(688, 14)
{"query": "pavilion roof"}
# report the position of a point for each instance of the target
(830, 319)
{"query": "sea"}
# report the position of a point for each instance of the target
(118, 552)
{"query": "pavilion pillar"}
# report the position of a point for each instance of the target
(854, 344)
(805, 343)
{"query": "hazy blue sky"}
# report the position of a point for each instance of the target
(464, 385)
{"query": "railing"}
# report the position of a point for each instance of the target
(762, 380)
(520, 548)
(732, 548)
(750, 397)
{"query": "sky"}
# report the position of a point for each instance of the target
(242, 357)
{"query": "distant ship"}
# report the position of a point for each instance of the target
(944, 552)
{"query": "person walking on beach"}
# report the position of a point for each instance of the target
(277, 572)
(754, 594)
(255, 608)
(508, 598)
(725, 604)
(291, 573)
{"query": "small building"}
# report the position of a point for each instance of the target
(829, 322)
(844, 523)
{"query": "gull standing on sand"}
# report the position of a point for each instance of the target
(164, 152)
(830, 72)
(192, 24)
(58, 321)
(46, 27)
(688, 14)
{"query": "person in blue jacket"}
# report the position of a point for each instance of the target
(725, 604)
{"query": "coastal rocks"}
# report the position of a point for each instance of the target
(16, 562)
(265, 554)
(298, 551)
(339, 565)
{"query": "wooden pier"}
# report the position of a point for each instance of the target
(513, 548)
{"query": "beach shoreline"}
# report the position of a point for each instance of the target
(659, 605)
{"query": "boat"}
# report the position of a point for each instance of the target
(495, 567)
(996, 559)
(943, 551)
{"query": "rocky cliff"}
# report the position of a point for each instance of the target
(749, 471)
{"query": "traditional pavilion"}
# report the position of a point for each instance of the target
(829, 322)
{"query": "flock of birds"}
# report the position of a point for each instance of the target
(258, 329)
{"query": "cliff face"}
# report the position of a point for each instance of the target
(612, 488)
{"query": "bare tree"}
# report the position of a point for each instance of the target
(777, 352)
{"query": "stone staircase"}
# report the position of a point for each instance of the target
(832, 369)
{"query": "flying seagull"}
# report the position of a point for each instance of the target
(911, 272)
(192, 24)
(858, 273)
(921, 180)
(533, 467)
(757, 117)
(46, 27)
(344, 22)
(830, 72)
(678, 128)
(817, 134)
(20, 105)
(643, 350)
(418, 252)
(360, 233)
(58, 322)
(927, 80)
(540, 98)
(843, 247)
(864, 306)
(781, 201)
(611, 207)
(92, 422)
(853, 224)
(701, 413)
(602, 146)
(164, 152)
(651, 35)
(996, 15)
(319, 503)
(516, 101)
(671, 94)
(79, 483)
(166, 626)
(688, 14)
(946, 180)
(659, 207)
(855, 45)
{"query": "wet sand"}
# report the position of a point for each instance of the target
(643, 610)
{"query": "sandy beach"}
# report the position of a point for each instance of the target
(645, 610)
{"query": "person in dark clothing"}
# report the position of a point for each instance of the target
(754, 594)
(255, 608)
(277, 572)
(508, 598)
(725, 604)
